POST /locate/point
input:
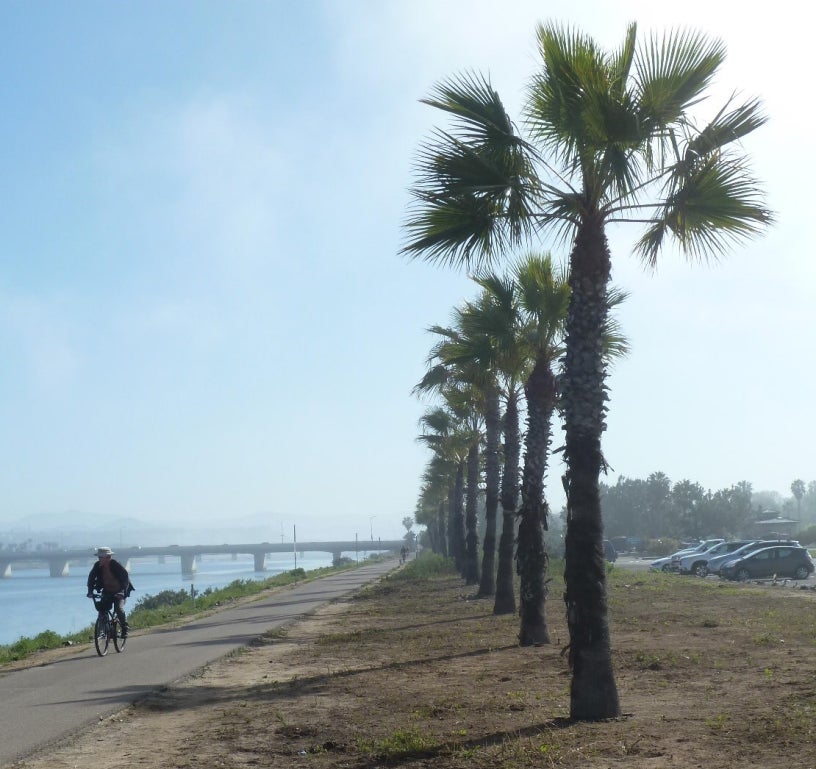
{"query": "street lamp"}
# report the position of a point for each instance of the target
(371, 526)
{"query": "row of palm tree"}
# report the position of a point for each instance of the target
(498, 349)
(613, 137)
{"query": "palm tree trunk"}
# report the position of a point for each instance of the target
(487, 586)
(531, 554)
(593, 693)
(442, 547)
(505, 602)
(471, 535)
(456, 525)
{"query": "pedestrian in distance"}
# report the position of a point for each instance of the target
(111, 579)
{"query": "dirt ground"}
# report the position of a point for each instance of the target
(420, 674)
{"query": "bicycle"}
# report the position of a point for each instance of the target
(107, 628)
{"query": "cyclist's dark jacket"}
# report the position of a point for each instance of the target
(118, 571)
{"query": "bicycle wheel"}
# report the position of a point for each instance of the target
(119, 639)
(101, 634)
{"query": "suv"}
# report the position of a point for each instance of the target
(775, 561)
(697, 563)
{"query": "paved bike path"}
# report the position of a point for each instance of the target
(40, 705)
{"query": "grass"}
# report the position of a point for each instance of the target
(417, 671)
(174, 606)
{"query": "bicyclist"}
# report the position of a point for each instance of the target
(112, 580)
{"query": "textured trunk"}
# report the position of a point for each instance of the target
(531, 553)
(433, 535)
(487, 586)
(442, 539)
(456, 525)
(471, 535)
(593, 693)
(505, 602)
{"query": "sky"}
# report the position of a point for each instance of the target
(204, 314)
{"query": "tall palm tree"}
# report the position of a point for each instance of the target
(444, 434)
(544, 296)
(464, 398)
(469, 350)
(613, 138)
(432, 504)
(531, 304)
(496, 317)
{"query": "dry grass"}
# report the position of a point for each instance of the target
(415, 672)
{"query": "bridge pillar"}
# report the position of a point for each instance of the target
(260, 561)
(336, 556)
(58, 568)
(5, 569)
(188, 566)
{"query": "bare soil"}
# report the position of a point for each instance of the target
(420, 674)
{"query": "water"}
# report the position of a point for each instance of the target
(31, 601)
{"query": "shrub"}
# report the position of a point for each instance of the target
(662, 546)
(807, 536)
(165, 598)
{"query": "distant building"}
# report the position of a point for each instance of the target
(775, 528)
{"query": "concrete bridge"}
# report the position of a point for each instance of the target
(59, 561)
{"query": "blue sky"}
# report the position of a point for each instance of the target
(203, 313)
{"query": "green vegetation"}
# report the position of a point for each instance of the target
(166, 607)
(426, 566)
(400, 745)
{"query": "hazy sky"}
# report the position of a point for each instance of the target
(203, 313)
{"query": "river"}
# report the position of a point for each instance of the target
(31, 601)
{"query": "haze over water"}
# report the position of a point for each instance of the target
(31, 601)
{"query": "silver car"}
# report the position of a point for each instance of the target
(697, 563)
(667, 563)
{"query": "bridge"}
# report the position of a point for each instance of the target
(59, 561)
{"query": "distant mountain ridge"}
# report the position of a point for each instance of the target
(80, 529)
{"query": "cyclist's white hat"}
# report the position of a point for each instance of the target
(103, 551)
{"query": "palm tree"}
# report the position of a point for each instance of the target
(432, 503)
(613, 138)
(798, 491)
(468, 351)
(464, 399)
(531, 305)
(544, 297)
(443, 433)
(496, 317)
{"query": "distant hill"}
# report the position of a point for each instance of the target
(80, 529)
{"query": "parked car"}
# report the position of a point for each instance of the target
(775, 561)
(665, 564)
(697, 563)
(715, 564)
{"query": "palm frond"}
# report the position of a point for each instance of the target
(544, 294)
(707, 210)
(672, 73)
(476, 106)
(477, 186)
(434, 380)
(615, 343)
(726, 127)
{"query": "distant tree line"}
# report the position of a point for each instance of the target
(655, 507)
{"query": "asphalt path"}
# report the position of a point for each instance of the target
(42, 705)
(633, 562)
